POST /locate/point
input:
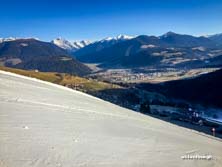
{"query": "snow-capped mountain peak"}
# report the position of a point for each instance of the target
(117, 38)
(124, 37)
(81, 44)
(15, 38)
(107, 39)
(7, 39)
(63, 43)
(70, 46)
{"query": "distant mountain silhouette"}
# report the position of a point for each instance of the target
(216, 38)
(44, 56)
(169, 49)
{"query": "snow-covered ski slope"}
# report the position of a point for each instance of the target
(43, 124)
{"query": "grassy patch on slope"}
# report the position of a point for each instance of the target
(74, 82)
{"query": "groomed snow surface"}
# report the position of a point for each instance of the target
(43, 124)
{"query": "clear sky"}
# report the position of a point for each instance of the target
(95, 19)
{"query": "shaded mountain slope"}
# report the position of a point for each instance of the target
(205, 89)
(34, 54)
(168, 50)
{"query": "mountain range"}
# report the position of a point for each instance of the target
(33, 54)
(216, 37)
(168, 50)
(70, 46)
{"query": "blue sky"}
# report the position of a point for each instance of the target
(95, 19)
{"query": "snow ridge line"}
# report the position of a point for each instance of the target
(48, 83)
